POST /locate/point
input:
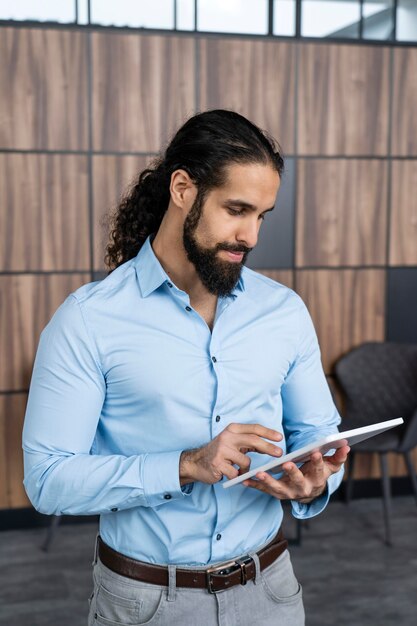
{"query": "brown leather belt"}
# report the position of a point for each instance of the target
(224, 576)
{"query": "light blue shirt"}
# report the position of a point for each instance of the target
(127, 375)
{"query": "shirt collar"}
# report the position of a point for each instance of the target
(152, 275)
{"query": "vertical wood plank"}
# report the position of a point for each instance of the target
(31, 301)
(255, 78)
(44, 222)
(43, 81)
(403, 231)
(12, 411)
(347, 308)
(343, 100)
(341, 212)
(404, 105)
(143, 89)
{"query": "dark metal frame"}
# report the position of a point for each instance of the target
(269, 34)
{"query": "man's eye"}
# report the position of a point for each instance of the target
(235, 212)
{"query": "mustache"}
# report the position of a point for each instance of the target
(230, 248)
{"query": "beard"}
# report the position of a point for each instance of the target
(218, 276)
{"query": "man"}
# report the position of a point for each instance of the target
(179, 369)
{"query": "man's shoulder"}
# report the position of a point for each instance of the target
(259, 285)
(107, 290)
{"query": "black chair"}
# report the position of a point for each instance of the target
(379, 382)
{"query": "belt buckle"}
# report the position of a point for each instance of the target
(229, 568)
(224, 569)
(243, 562)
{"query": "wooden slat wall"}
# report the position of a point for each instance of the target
(43, 82)
(344, 222)
(46, 197)
(114, 98)
(143, 89)
(255, 78)
(404, 117)
(403, 228)
(343, 100)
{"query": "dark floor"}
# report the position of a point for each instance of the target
(349, 576)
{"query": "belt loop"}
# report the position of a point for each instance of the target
(257, 576)
(172, 583)
(96, 550)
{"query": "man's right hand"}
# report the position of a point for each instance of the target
(209, 463)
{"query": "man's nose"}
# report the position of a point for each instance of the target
(248, 234)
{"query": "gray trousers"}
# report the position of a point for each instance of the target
(273, 598)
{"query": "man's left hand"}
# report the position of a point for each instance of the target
(303, 484)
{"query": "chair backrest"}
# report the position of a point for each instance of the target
(379, 381)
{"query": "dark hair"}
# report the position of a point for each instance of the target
(203, 147)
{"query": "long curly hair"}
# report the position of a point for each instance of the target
(204, 146)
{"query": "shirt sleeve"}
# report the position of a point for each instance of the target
(67, 392)
(309, 412)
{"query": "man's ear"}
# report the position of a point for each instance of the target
(183, 190)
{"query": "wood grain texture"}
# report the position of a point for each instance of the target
(112, 177)
(285, 277)
(343, 97)
(404, 103)
(12, 412)
(367, 465)
(341, 212)
(44, 223)
(403, 227)
(28, 302)
(255, 78)
(347, 308)
(143, 89)
(43, 82)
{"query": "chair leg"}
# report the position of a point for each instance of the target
(51, 532)
(349, 480)
(386, 488)
(411, 472)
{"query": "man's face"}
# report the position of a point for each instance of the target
(220, 231)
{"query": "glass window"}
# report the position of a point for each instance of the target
(82, 11)
(330, 18)
(185, 14)
(46, 11)
(284, 17)
(155, 14)
(407, 20)
(378, 19)
(233, 16)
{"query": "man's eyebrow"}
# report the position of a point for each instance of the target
(244, 205)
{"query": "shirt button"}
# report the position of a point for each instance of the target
(217, 418)
(114, 509)
(169, 284)
(188, 308)
(218, 537)
(213, 358)
(167, 496)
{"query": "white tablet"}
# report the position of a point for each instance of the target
(331, 442)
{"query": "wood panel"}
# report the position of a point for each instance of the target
(341, 212)
(255, 78)
(285, 277)
(12, 412)
(44, 223)
(403, 230)
(43, 82)
(28, 302)
(143, 89)
(404, 104)
(343, 99)
(367, 465)
(347, 307)
(112, 177)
